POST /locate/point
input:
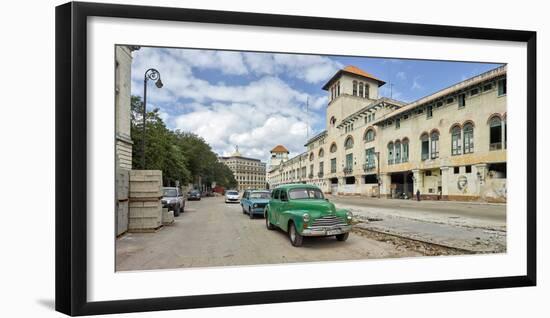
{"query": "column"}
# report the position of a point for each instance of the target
(418, 179)
(481, 175)
(385, 185)
(444, 182)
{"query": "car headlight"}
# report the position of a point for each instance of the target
(349, 216)
(305, 217)
(255, 205)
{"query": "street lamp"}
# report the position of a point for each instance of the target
(154, 75)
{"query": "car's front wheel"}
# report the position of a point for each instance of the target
(176, 211)
(268, 223)
(295, 238)
(250, 214)
(342, 237)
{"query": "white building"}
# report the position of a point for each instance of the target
(249, 172)
(450, 145)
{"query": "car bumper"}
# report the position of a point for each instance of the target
(170, 206)
(258, 211)
(326, 231)
(232, 200)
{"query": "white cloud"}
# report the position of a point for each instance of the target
(227, 62)
(312, 69)
(255, 115)
(254, 129)
(416, 83)
(401, 75)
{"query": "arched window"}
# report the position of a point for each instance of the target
(405, 150)
(369, 135)
(435, 144)
(338, 89)
(397, 150)
(468, 132)
(455, 141)
(390, 153)
(360, 89)
(495, 132)
(311, 156)
(354, 88)
(332, 121)
(321, 153)
(425, 146)
(366, 90)
(348, 144)
(333, 148)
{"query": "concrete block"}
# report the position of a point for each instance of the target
(121, 217)
(122, 184)
(167, 216)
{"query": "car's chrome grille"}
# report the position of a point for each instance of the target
(261, 205)
(330, 220)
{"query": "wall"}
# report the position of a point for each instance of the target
(27, 270)
(123, 89)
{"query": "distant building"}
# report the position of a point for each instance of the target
(450, 145)
(249, 172)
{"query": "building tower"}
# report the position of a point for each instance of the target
(278, 154)
(350, 89)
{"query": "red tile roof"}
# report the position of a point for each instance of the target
(358, 71)
(279, 149)
(350, 69)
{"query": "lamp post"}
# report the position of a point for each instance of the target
(154, 75)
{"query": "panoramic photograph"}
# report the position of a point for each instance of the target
(234, 158)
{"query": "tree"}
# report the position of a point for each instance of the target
(161, 152)
(182, 156)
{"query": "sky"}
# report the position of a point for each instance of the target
(258, 100)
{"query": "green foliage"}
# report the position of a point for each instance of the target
(181, 156)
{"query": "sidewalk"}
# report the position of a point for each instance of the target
(474, 227)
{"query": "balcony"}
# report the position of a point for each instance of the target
(311, 176)
(320, 174)
(368, 166)
(348, 170)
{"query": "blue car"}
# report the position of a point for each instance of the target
(253, 202)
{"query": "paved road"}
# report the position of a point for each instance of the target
(212, 233)
(471, 226)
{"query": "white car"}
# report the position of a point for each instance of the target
(232, 196)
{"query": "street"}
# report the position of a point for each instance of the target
(470, 226)
(213, 233)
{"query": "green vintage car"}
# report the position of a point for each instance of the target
(302, 210)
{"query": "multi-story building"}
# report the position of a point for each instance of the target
(249, 172)
(450, 145)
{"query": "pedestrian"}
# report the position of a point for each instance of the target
(418, 195)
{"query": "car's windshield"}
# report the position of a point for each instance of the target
(260, 195)
(305, 194)
(232, 193)
(170, 192)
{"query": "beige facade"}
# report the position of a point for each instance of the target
(250, 173)
(123, 140)
(123, 66)
(448, 145)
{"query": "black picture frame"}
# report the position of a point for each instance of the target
(71, 157)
